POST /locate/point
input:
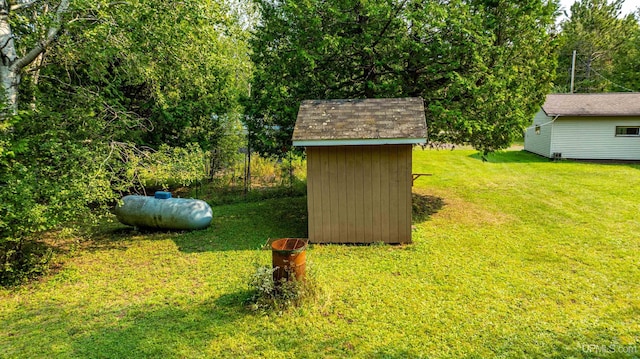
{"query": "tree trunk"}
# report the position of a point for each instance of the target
(10, 64)
(9, 78)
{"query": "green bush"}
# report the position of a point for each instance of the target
(293, 169)
(268, 295)
(170, 167)
(266, 171)
(47, 178)
(21, 260)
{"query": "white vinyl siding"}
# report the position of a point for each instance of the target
(539, 142)
(594, 138)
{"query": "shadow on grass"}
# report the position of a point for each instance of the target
(167, 332)
(510, 157)
(528, 157)
(248, 225)
(237, 226)
(210, 329)
(242, 226)
(114, 235)
(424, 206)
(220, 327)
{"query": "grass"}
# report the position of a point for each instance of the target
(515, 257)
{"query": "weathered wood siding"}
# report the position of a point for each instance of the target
(594, 138)
(359, 194)
(539, 143)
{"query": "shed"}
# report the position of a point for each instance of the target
(359, 167)
(604, 126)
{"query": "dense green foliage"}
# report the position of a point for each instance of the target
(121, 81)
(626, 70)
(47, 178)
(606, 46)
(151, 72)
(481, 66)
(517, 257)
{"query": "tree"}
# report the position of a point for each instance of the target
(12, 64)
(497, 60)
(317, 50)
(168, 70)
(599, 35)
(626, 65)
(481, 66)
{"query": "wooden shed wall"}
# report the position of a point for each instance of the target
(359, 194)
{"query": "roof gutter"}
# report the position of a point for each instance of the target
(359, 142)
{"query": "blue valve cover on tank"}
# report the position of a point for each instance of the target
(162, 195)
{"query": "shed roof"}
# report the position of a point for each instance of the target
(593, 104)
(360, 122)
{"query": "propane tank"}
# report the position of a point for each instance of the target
(162, 211)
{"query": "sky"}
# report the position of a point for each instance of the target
(628, 7)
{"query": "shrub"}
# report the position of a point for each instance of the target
(266, 172)
(293, 169)
(170, 167)
(21, 260)
(270, 296)
(47, 178)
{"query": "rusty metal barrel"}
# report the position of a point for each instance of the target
(289, 256)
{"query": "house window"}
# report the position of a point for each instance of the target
(627, 130)
(537, 129)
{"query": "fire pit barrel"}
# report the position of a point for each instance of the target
(289, 257)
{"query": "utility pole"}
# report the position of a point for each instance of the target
(573, 70)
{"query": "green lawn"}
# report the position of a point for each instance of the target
(521, 257)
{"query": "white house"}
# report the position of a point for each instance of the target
(603, 126)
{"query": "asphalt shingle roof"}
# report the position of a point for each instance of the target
(388, 118)
(593, 104)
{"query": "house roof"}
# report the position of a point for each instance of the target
(360, 122)
(593, 104)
